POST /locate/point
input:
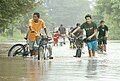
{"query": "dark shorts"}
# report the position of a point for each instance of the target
(102, 40)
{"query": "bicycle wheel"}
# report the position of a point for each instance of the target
(40, 53)
(17, 49)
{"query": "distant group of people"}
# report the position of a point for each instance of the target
(93, 32)
(60, 33)
(96, 37)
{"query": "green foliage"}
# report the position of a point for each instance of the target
(15, 14)
(110, 12)
(12, 9)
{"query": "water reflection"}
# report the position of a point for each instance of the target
(36, 70)
(91, 68)
(12, 69)
(33, 70)
(19, 69)
(63, 68)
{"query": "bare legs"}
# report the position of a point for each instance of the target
(91, 53)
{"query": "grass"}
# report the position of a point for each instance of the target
(16, 37)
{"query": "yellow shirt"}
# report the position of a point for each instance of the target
(36, 27)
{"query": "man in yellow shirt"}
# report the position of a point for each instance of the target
(35, 26)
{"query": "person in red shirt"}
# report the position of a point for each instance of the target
(56, 37)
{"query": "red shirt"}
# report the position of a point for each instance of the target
(56, 35)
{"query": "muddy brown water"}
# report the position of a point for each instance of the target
(104, 67)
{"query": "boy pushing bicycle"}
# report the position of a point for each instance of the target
(35, 26)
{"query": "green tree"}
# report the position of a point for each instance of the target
(12, 9)
(110, 12)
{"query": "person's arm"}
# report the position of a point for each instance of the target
(30, 27)
(95, 32)
(32, 30)
(75, 31)
(106, 33)
(81, 27)
(81, 32)
(45, 29)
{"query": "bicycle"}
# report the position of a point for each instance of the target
(23, 49)
(79, 45)
(45, 49)
(72, 42)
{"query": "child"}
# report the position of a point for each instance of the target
(56, 37)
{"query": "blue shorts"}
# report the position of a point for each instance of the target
(92, 45)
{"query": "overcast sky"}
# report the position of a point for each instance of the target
(92, 4)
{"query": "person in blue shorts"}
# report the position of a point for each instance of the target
(91, 32)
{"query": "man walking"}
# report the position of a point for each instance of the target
(91, 31)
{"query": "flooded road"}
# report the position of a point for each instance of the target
(104, 67)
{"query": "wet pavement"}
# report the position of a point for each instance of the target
(64, 67)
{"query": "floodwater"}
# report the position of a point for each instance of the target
(104, 67)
